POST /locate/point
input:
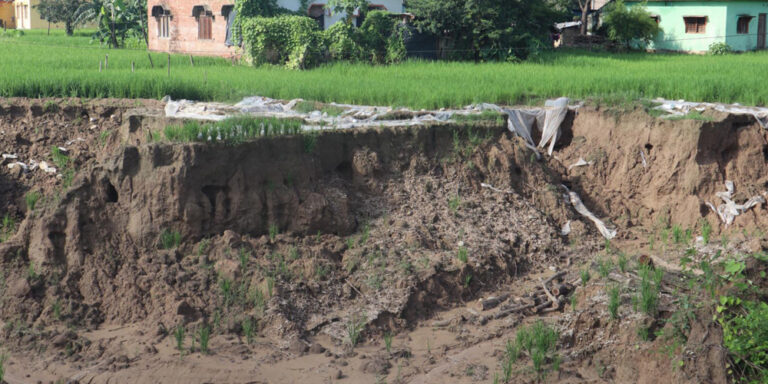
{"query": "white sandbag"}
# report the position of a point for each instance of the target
(580, 163)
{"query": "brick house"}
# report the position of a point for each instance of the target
(202, 27)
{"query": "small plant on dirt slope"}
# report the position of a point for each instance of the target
(31, 199)
(273, 232)
(248, 329)
(227, 293)
(259, 301)
(585, 276)
(179, 334)
(706, 231)
(614, 299)
(454, 203)
(309, 141)
(622, 262)
(604, 267)
(3, 358)
(677, 234)
(59, 158)
(648, 295)
(355, 327)
(463, 254)
(232, 130)
(244, 256)
(539, 341)
(170, 239)
(7, 227)
(204, 337)
(388, 342)
(511, 353)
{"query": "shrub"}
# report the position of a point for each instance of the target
(170, 239)
(204, 336)
(342, 41)
(721, 48)
(293, 41)
(374, 35)
(31, 199)
(539, 340)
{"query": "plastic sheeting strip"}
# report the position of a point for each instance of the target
(608, 233)
(728, 211)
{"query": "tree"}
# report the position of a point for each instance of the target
(487, 29)
(60, 11)
(117, 19)
(626, 25)
(585, 6)
(348, 7)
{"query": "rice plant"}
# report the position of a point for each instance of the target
(204, 337)
(178, 334)
(463, 254)
(355, 327)
(539, 341)
(69, 68)
(604, 267)
(227, 293)
(622, 262)
(648, 293)
(170, 239)
(232, 130)
(585, 276)
(31, 198)
(7, 227)
(388, 342)
(614, 300)
(706, 231)
(273, 232)
(248, 329)
(454, 203)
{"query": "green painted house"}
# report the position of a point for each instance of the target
(692, 26)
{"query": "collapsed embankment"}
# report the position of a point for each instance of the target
(306, 237)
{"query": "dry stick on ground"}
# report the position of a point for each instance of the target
(553, 299)
(506, 312)
(492, 302)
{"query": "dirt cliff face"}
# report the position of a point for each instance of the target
(298, 241)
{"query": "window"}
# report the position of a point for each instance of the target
(163, 18)
(656, 18)
(695, 24)
(317, 12)
(742, 26)
(204, 22)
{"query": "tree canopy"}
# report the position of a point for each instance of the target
(60, 11)
(487, 29)
(628, 25)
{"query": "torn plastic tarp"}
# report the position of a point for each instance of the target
(682, 108)
(579, 163)
(608, 233)
(548, 120)
(728, 211)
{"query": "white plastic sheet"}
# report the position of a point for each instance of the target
(682, 108)
(729, 209)
(608, 233)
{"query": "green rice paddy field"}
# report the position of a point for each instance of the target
(38, 65)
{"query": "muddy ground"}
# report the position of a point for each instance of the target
(359, 256)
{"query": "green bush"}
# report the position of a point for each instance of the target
(374, 35)
(630, 25)
(342, 41)
(293, 41)
(721, 48)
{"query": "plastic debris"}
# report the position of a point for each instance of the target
(47, 168)
(7, 156)
(729, 210)
(608, 233)
(682, 108)
(23, 166)
(566, 230)
(580, 163)
(492, 188)
(642, 157)
(74, 141)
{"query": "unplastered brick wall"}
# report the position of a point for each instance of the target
(179, 32)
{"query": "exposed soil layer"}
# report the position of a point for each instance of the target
(287, 249)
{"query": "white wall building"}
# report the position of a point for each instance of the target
(326, 17)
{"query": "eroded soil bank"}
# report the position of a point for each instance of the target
(303, 255)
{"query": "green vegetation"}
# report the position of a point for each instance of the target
(706, 231)
(614, 299)
(178, 334)
(170, 239)
(463, 254)
(622, 262)
(248, 329)
(71, 69)
(31, 198)
(388, 341)
(630, 25)
(232, 130)
(604, 267)
(3, 358)
(7, 227)
(648, 295)
(273, 232)
(539, 341)
(454, 203)
(355, 327)
(585, 276)
(204, 336)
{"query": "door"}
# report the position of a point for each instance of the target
(761, 31)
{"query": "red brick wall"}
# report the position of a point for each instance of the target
(183, 29)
